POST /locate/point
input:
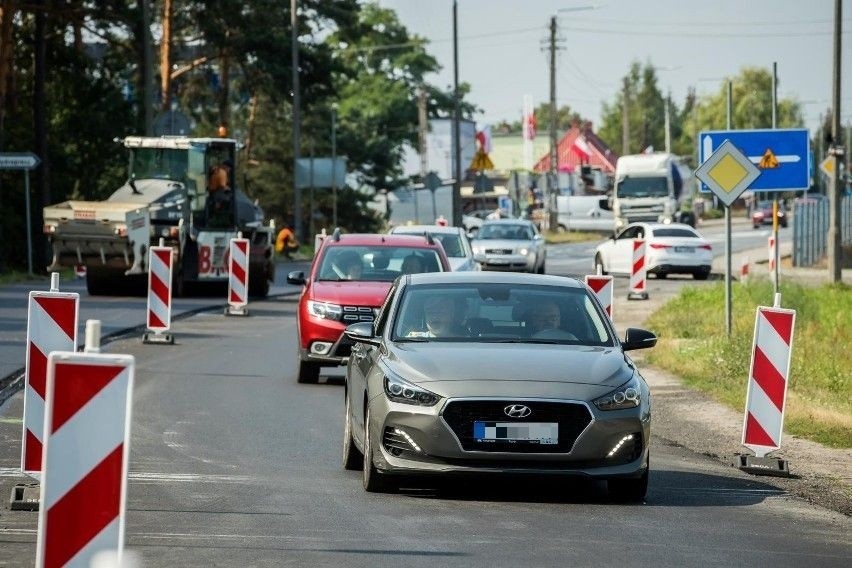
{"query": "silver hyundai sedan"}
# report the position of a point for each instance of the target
(489, 372)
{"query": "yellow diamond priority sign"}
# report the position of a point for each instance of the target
(727, 173)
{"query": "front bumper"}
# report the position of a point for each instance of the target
(509, 262)
(438, 449)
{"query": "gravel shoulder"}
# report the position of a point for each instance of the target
(688, 418)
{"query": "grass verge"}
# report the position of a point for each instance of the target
(18, 276)
(555, 238)
(694, 346)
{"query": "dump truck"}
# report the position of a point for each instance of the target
(179, 190)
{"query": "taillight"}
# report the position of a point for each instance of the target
(705, 247)
(660, 246)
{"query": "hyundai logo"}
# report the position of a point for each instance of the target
(517, 411)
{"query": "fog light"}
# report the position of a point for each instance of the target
(320, 347)
(408, 439)
(620, 443)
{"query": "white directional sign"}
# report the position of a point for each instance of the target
(19, 161)
(727, 173)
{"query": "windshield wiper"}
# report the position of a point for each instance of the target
(519, 340)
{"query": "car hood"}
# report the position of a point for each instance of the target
(464, 369)
(501, 243)
(350, 293)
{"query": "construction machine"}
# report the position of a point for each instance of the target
(179, 190)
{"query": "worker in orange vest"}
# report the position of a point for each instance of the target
(286, 242)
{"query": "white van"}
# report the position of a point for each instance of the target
(584, 213)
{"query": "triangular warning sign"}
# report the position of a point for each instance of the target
(768, 161)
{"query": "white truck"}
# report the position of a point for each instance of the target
(648, 187)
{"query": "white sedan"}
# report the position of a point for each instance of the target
(453, 239)
(670, 248)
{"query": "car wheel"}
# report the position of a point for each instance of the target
(374, 481)
(352, 459)
(308, 372)
(599, 265)
(757, 226)
(541, 268)
(662, 275)
(701, 275)
(629, 490)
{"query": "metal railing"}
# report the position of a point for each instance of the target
(810, 229)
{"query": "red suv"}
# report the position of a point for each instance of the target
(348, 281)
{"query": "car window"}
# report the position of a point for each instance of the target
(375, 263)
(505, 231)
(452, 242)
(675, 232)
(630, 233)
(382, 316)
(499, 313)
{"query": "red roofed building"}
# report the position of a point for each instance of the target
(580, 146)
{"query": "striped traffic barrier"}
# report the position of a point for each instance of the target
(238, 277)
(603, 288)
(772, 257)
(87, 443)
(638, 275)
(767, 386)
(159, 319)
(51, 326)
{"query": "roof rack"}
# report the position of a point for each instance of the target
(335, 236)
(429, 238)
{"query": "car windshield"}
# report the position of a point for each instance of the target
(451, 242)
(500, 313)
(656, 186)
(376, 263)
(159, 163)
(675, 232)
(505, 231)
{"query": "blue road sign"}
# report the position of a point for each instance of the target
(782, 155)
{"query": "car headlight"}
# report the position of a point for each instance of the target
(398, 389)
(627, 395)
(523, 250)
(325, 310)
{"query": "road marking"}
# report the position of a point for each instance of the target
(160, 476)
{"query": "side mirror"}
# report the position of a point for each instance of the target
(362, 332)
(296, 277)
(635, 338)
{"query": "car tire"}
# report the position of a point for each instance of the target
(629, 490)
(599, 263)
(757, 226)
(353, 459)
(373, 480)
(662, 275)
(308, 372)
(541, 269)
(701, 275)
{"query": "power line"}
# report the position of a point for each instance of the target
(694, 34)
(760, 24)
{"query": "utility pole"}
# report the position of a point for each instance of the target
(457, 208)
(625, 118)
(294, 49)
(553, 214)
(166, 58)
(334, 164)
(422, 129)
(668, 122)
(147, 72)
(835, 252)
(777, 272)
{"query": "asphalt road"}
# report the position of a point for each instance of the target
(233, 463)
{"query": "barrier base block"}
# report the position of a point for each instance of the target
(241, 311)
(754, 465)
(25, 497)
(158, 338)
(637, 296)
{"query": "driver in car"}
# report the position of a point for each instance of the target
(439, 316)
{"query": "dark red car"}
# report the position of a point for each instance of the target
(347, 283)
(762, 214)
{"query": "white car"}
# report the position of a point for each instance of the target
(453, 239)
(670, 248)
(510, 245)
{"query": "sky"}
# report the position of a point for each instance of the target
(692, 43)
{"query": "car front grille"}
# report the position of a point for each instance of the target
(571, 417)
(352, 314)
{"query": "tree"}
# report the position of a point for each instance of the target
(645, 111)
(565, 117)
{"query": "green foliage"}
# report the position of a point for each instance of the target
(694, 345)
(565, 117)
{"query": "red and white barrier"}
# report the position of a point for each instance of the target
(638, 272)
(87, 427)
(767, 383)
(80, 270)
(238, 277)
(51, 326)
(159, 318)
(602, 286)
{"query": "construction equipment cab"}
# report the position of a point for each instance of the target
(181, 190)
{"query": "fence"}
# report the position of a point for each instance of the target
(810, 229)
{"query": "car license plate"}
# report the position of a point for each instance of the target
(528, 432)
(684, 249)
